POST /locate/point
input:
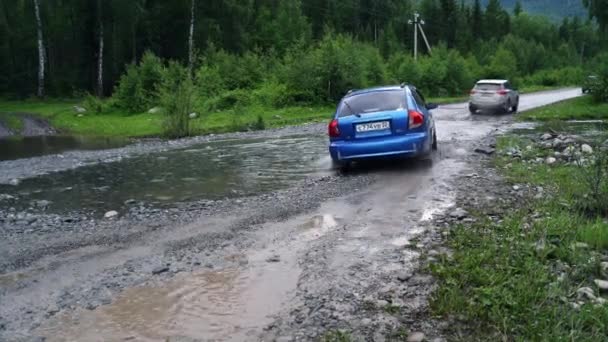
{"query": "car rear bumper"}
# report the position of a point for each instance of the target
(409, 145)
(488, 104)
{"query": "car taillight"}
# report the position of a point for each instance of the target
(416, 119)
(501, 92)
(473, 92)
(333, 129)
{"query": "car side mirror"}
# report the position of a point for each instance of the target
(431, 106)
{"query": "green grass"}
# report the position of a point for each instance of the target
(448, 100)
(119, 123)
(503, 277)
(465, 98)
(537, 88)
(581, 108)
(11, 121)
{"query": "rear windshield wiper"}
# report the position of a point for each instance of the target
(351, 109)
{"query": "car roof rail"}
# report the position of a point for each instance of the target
(403, 85)
(350, 91)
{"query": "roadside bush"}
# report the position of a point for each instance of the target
(272, 94)
(599, 89)
(594, 176)
(229, 100)
(94, 104)
(502, 65)
(327, 71)
(176, 97)
(137, 89)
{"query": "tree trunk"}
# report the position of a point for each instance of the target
(191, 39)
(100, 51)
(41, 52)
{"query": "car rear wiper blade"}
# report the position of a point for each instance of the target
(351, 109)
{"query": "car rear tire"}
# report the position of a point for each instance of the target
(435, 145)
(340, 165)
(472, 109)
(516, 107)
(507, 107)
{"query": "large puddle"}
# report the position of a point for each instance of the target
(26, 147)
(227, 305)
(208, 171)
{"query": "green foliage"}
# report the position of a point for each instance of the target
(599, 88)
(594, 183)
(176, 96)
(137, 88)
(503, 65)
(583, 108)
(94, 104)
(556, 77)
(595, 235)
(504, 276)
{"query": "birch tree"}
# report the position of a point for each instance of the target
(191, 39)
(41, 52)
(100, 50)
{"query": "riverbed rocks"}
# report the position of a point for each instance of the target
(602, 285)
(110, 214)
(79, 109)
(586, 149)
(416, 337)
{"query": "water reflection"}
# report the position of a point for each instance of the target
(207, 171)
(26, 147)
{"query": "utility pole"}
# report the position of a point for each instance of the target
(417, 22)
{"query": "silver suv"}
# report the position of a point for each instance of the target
(494, 95)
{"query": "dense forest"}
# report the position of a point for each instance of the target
(285, 51)
(551, 8)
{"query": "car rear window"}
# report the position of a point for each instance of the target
(377, 101)
(488, 86)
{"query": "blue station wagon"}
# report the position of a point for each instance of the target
(382, 122)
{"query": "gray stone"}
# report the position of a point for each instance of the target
(193, 115)
(581, 245)
(14, 182)
(404, 276)
(154, 110)
(111, 214)
(557, 143)
(586, 292)
(415, 337)
(485, 150)
(274, 258)
(459, 213)
(130, 201)
(586, 149)
(6, 197)
(79, 109)
(601, 284)
(550, 161)
(159, 270)
(43, 204)
(546, 136)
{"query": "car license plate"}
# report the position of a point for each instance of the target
(373, 126)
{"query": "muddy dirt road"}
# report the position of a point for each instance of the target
(272, 245)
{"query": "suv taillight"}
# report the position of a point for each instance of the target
(416, 119)
(502, 92)
(473, 92)
(333, 129)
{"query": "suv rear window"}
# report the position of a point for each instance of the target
(372, 102)
(488, 86)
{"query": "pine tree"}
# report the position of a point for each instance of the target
(477, 21)
(518, 8)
